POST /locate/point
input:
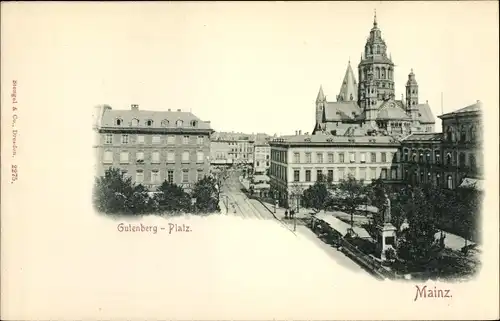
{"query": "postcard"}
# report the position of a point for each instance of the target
(249, 161)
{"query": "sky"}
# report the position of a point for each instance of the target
(252, 67)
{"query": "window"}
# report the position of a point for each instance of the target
(200, 140)
(108, 157)
(449, 181)
(463, 135)
(472, 133)
(472, 161)
(140, 139)
(437, 156)
(384, 157)
(135, 122)
(155, 157)
(124, 158)
(149, 123)
(428, 156)
(414, 156)
(170, 140)
(330, 175)
(108, 139)
(341, 158)
(164, 123)
(155, 177)
(352, 172)
(362, 173)
(199, 157)
(362, 157)
(308, 158)
(373, 173)
(319, 157)
(193, 123)
(296, 175)
(139, 157)
(383, 173)
(394, 174)
(155, 139)
(124, 139)
(170, 157)
(170, 176)
(185, 176)
(405, 157)
(461, 159)
(185, 157)
(352, 157)
(185, 140)
(199, 174)
(449, 134)
(319, 174)
(119, 122)
(296, 158)
(330, 158)
(448, 159)
(373, 157)
(139, 177)
(341, 174)
(179, 123)
(267, 163)
(308, 175)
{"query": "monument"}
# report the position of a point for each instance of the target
(387, 231)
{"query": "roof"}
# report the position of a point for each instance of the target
(474, 183)
(340, 226)
(424, 137)
(321, 95)
(161, 119)
(474, 108)
(425, 115)
(349, 87)
(341, 110)
(394, 112)
(327, 138)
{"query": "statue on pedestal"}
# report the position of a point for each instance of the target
(387, 210)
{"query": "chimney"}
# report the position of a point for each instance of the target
(300, 132)
(296, 133)
(178, 110)
(134, 107)
(427, 102)
(169, 109)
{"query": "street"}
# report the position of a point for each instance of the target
(238, 203)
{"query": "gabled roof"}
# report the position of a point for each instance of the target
(341, 110)
(349, 87)
(424, 137)
(425, 115)
(474, 108)
(392, 110)
(161, 119)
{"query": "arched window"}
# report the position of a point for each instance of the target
(135, 122)
(428, 156)
(414, 156)
(377, 72)
(405, 155)
(119, 122)
(420, 156)
(472, 133)
(193, 123)
(437, 156)
(383, 73)
(448, 158)
(377, 49)
(179, 123)
(449, 181)
(149, 122)
(449, 134)
(463, 134)
(164, 123)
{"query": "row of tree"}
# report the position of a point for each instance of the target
(424, 209)
(115, 193)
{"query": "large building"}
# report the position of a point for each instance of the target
(262, 157)
(228, 148)
(153, 146)
(449, 159)
(298, 161)
(371, 105)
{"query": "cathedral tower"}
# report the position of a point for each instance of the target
(370, 100)
(376, 60)
(349, 88)
(320, 105)
(412, 96)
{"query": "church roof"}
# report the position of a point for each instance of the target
(425, 115)
(341, 110)
(391, 113)
(349, 86)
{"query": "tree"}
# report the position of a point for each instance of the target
(350, 194)
(376, 193)
(468, 205)
(172, 198)
(417, 242)
(316, 196)
(113, 192)
(206, 194)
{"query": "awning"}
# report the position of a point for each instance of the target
(473, 182)
(341, 226)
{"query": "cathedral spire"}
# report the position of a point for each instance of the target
(349, 88)
(375, 19)
(321, 95)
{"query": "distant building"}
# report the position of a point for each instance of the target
(234, 148)
(262, 157)
(371, 105)
(298, 161)
(153, 146)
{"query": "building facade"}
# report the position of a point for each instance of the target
(298, 161)
(449, 158)
(153, 146)
(371, 105)
(234, 148)
(262, 158)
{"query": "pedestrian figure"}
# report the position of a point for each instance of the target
(292, 213)
(286, 214)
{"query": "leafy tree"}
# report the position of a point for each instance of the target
(206, 194)
(350, 194)
(417, 242)
(376, 196)
(172, 198)
(112, 192)
(468, 207)
(140, 202)
(316, 196)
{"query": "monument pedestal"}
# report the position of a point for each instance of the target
(386, 238)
